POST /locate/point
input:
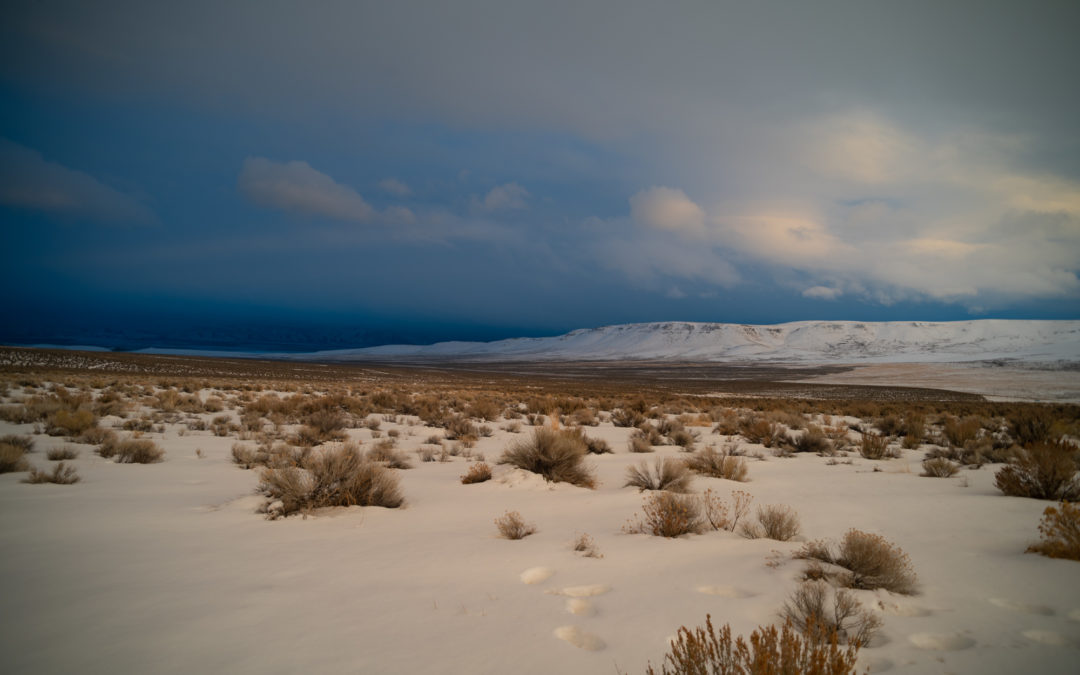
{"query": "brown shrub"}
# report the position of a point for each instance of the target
(558, 456)
(384, 452)
(61, 475)
(668, 515)
(1042, 471)
(960, 431)
(70, 422)
(874, 446)
(338, 477)
(131, 451)
(939, 467)
(1060, 532)
(665, 474)
(1030, 424)
(477, 473)
(512, 526)
(703, 652)
(709, 462)
(57, 454)
(624, 417)
(586, 546)
(774, 521)
(872, 562)
(811, 440)
(818, 611)
(639, 444)
(11, 458)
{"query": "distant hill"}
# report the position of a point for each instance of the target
(806, 341)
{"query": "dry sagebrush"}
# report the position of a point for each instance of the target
(704, 651)
(477, 473)
(337, 477)
(818, 611)
(131, 451)
(868, 560)
(664, 474)
(710, 462)
(773, 521)
(1060, 532)
(558, 456)
(666, 514)
(1042, 471)
(60, 475)
(512, 526)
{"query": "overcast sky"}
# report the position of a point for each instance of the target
(486, 169)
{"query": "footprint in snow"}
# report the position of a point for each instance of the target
(582, 591)
(725, 591)
(1046, 637)
(579, 638)
(945, 642)
(579, 607)
(1024, 607)
(536, 575)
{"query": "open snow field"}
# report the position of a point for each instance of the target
(168, 568)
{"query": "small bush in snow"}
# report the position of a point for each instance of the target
(1060, 531)
(512, 526)
(665, 474)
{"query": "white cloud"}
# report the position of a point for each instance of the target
(29, 181)
(298, 188)
(664, 208)
(510, 196)
(822, 293)
(395, 187)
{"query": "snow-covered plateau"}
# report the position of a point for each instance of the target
(802, 341)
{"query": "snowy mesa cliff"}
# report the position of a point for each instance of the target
(806, 341)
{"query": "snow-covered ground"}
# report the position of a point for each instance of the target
(167, 568)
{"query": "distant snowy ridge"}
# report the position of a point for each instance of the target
(804, 341)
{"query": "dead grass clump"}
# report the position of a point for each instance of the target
(593, 446)
(586, 546)
(702, 651)
(871, 562)
(1060, 532)
(1030, 424)
(639, 444)
(665, 474)
(758, 430)
(69, 422)
(131, 451)
(57, 454)
(668, 515)
(812, 440)
(939, 467)
(773, 521)
(477, 473)
(585, 417)
(61, 474)
(819, 611)
(624, 417)
(24, 442)
(338, 477)
(246, 456)
(11, 458)
(914, 430)
(710, 462)
(1042, 471)
(458, 427)
(960, 431)
(558, 456)
(384, 452)
(512, 526)
(874, 446)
